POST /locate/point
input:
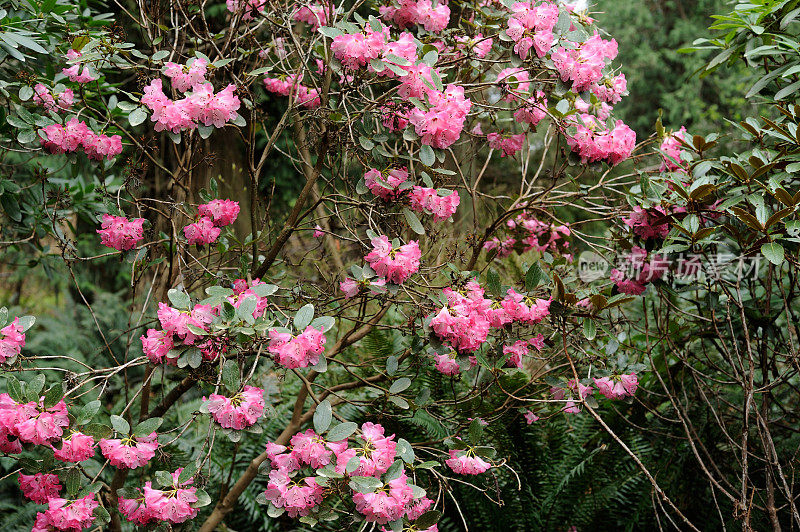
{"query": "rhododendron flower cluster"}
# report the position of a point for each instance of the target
(120, 233)
(387, 503)
(441, 125)
(40, 487)
(593, 141)
(584, 65)
(428, 200)
(351, 287)
(76, 447)
(172, 505)
(52, 101)
(464, 323)
(200, 106)
(291, 86)
(648, 223)
(611, 90)
(530, 417)
(213, 215)
(466, 462)
(532, 26)
(130, 451)
(577, 390)
(31, 422)
(12, 340)
(396, 264)
(385, 184)
(76, 134)
(298, 351)
(638, 271)
(509, 145)
(64, 514)
(74, 72)
(617, 386)
(237, 412)
(672, 151)
(313, 14)
(406, 13)
(355, 50)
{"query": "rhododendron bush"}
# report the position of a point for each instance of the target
(347, 346)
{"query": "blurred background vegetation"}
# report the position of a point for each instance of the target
(569, 473)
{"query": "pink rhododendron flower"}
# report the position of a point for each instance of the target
(44, 424)
(584, 65)
(298, 351)
(184, 77)
(395, 264)
(74, 72)
(63, 514)
(237, 412)
(447, 364)
(120, 233)
(131, 451)
(530, 417)
(650, 223)
(638, 271)
(405, 13)
(174, 504)
(51, 101)
(12, 340)
(200, 106)
(617, 387)
(136, 510)
(313, 14)
(40, 487)
(442, 124)
(357, 49)
(508, 144)
(76, 447)
(428, 200)
(291, 86)
(201, 232)
(515, 82)
(387, 503)
(220, 212)
(466, 462)
(384, 184)
(611, 90)
(351, 287)
(532, 27)
(156, 344)
(594, 142)
(74, 134)
(516, 353)
(672, 150)
(298, 496)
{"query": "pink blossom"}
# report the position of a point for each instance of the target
(358, 49)
(184, 77)
(650, 223)
(74, 134)
(385, 184)
(442, 124)
(291, 86)
(220, 212)
(405, 13)
(537, 342)
(672, 150)
(237, 412)
(466, 462)
(76, 447)
(74, 72)
(387, 503)
(156, 344)
(12, 340)
(530, 417)
(44, 424)
(51, 101)
(516, 353)
(428, 200)
(395, 264)
(298, 351)
(40, 487)
(509, 144)
(313, 14)
(611, 90)
(172, 505)
(136, 510)
(131, 451)
(247, 8)
(297, 496)
(120, 233)
(63, 514)
(447, 364)
(201, 232)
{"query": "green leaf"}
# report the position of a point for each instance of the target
(322, 416)
(391, 365)
(88, 412)
(148, 426)
(341, 431)
(230, 376)
(72, 480)
(54, 395)
(26, 322)
(426, 155)
(330, 32)
(120, 425)
(589, 329)
(188, 472)
(413, 221)
(164, 478)
(324, 323)
(137, 116)
(475, 431)
(202, 498)
(159, 55)
(493, 282)
(399, 385)
(14, 389)
(35, 387)
(773, 252)
(179, 299)
(399, 402)
(25, 93)
(405, 451)
(303, 317)
(533, 276)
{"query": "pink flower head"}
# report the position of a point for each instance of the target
(672, 150)
(298, 496)
(131, 451)
(516, 353)
(313, 14)
(201, 232)
(428, 200)
(442, 124)
(237, 412)
(650, 223)
(63, 514)
(156, 344)
(447, 364)
(384, 184)
(76, 447)
(184, 77)
(136, 510)
(396, 265)
(508, 144)
(12, 340)
(120, 233)
(43, 425)
(40, 487)
(51, 101)
(220, 212)
(387, 503)
(466, 462)
(298, 351)
(74, 72)
(530, 417)
(174, 504)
